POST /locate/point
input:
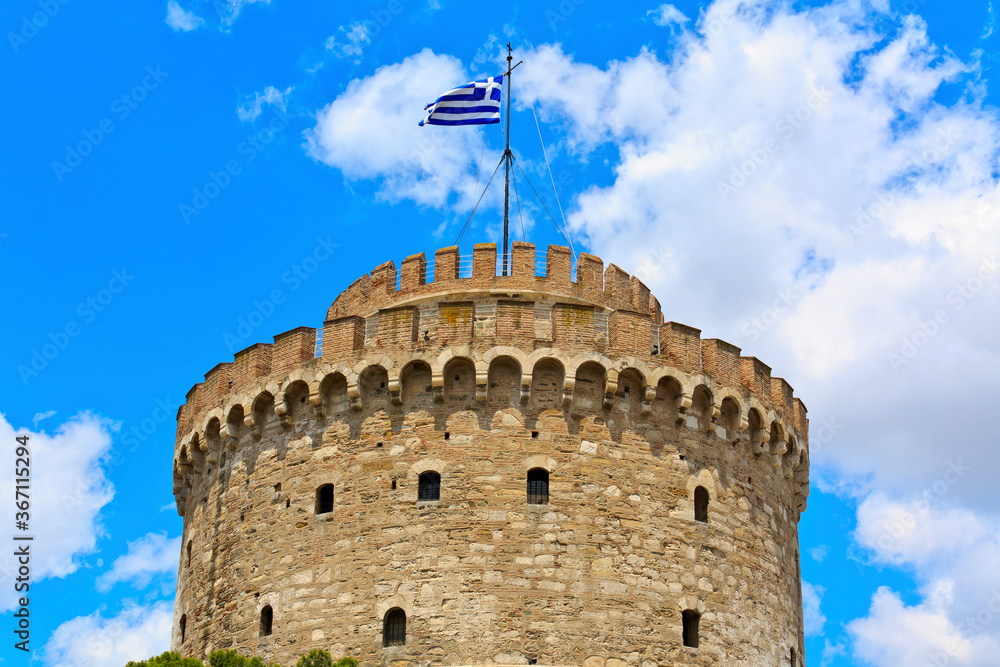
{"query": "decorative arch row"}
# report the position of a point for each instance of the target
(545, 378)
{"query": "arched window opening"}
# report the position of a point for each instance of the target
(691, 619)
(538, 486)
(792, 661)
(430, 486)
(701, 504)
(184, 622)
(324, 499)
(394, 628)
(266, 620)
(189, 553)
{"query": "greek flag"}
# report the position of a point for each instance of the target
(475, 103)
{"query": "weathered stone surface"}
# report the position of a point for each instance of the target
(482, 379)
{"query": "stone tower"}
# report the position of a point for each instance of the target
(472, 469)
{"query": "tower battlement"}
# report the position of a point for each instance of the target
(480, 378)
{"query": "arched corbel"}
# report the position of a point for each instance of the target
(395, 388)
(354, 394)
(610, 389)
(437, 384)
(648, 396)
(281, 412)
(525, 387)
(569, 386)
(716, 412)
(683, 403)
(482, 383)
(316, 398)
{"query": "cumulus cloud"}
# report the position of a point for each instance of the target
(954, 554)
(351, 42)
(137, 633)
(68, 490)
(792, 183)
(897, 634)
(254, 104)
(370, 131)
(182, 20)
(668, 15)
(812, 618)
(149, 556)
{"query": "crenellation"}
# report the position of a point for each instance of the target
(522, 261)
(414, 273)
(446, 266)
(781, 396)
(680, 346)
(590, 276)
(292, 348)
(484, 262)
(558, 268)
(721, 361)
(639, 294)
(755, 375)
(483, 379)
(250, 364)
(617, 291)
(383, 285)
(343, 336)
(801, 420)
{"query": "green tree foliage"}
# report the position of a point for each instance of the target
(232, 658)
(317, 658)
(167, 659)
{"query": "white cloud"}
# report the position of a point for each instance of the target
(137, 633)
(897, 634)
(668, 15)
(253, 105)
(812, 618)
(819, 553)
(370, 132)
(40, 416)
(68, 489)
(814, 204)
(954, 555)
(182, 20)
(151, 555)
(229, 10)
(352, 42)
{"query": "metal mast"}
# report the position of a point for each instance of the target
(506, 164)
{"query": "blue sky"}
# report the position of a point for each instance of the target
(814, 182)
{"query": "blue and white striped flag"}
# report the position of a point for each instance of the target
(475, 103)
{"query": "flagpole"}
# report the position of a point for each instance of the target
(506, 165)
